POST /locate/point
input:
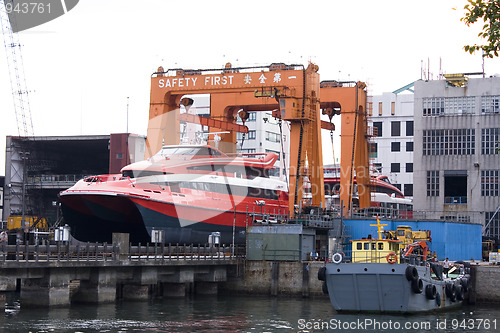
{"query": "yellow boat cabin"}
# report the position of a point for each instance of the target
(368, 250)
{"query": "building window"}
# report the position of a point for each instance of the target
(408, 190)
(395, 167)
(379, 108)
(489, 183)
(247, 151)
(273, 137)
(373, 149)
(409, 128)
(440, 106)
(377, 126)
(409, 146)
(398, 186)
(393, 108)
(489, 140)
(409, 167)
(433, 106)
(433, 183)
(252, 116)
(251, 135)
(119, 156)
(370, 109)
(490, 104)
(395, 128)
(455, 187)
(395, 146)
(493, 229)
(449, 142)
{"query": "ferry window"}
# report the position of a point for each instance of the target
(366, 246)
(380, 246)
(359, 246)
(213, 152)
(204, 151)
(374, 246)
(174, 187)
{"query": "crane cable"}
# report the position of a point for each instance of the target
(283, 155)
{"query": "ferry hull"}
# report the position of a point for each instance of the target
(354, 287)
(94, 218)
(191, 224)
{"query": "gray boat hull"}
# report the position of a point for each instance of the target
(381, 287)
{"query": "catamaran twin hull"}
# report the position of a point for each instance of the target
(94, 218)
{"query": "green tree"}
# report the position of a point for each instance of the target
(489, 12)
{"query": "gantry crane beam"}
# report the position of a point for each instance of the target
(292, 89)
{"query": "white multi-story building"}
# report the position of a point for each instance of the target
(391, 148)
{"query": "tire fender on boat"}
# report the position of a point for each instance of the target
(451, 292)
(459, 291)
(465, 284)
(324, 288)
(391, 258)
(411, 273)
(417, 286)
(322, 273)
(430, 291)
(337, 258)
(438, 299)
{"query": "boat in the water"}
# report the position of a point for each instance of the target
(183, 194)
(386, 199)
(381, 277)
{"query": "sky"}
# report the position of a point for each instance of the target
(87, 67)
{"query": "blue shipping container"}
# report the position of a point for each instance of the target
(456, 241)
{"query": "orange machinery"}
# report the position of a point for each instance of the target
(292, 91)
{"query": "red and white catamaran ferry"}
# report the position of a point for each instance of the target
(180, 195)
(386, 199)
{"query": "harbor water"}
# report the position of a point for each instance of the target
(225, 313)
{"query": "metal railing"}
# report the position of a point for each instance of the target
(57, 253)
(176, 252)
(455, 200)
(87, 253)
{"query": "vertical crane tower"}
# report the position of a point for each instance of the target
(16, 73)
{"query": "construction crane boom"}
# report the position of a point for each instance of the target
(16, 73)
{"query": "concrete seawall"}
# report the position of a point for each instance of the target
(485, 284)
(276, 278)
